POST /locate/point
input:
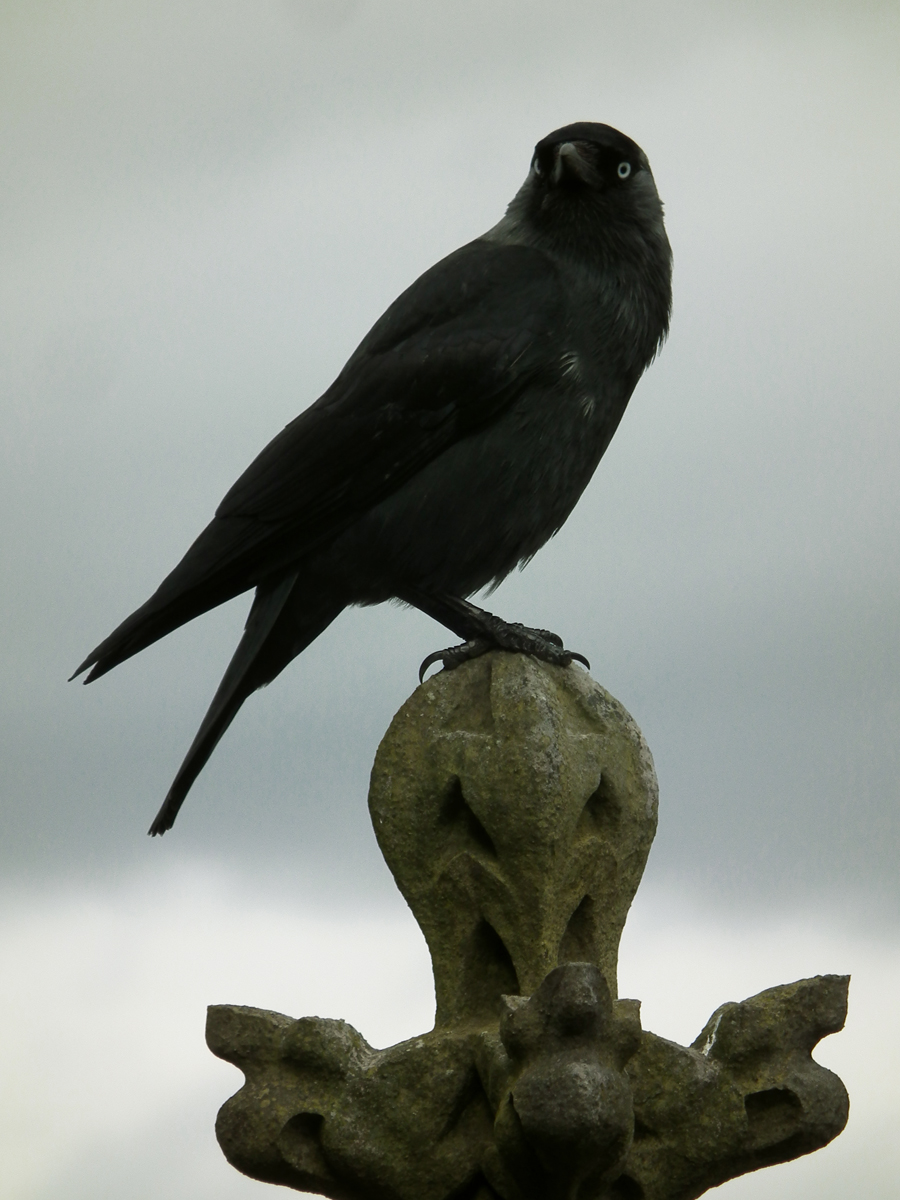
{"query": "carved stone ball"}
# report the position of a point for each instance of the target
(515, 804)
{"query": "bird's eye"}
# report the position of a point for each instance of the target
(624, 170)
(536, 167)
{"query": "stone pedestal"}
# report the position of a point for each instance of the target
(515, 804)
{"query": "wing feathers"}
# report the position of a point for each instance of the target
(447, 357)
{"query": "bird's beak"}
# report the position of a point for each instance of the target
(570, 162)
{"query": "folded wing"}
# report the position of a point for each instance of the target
(447, 358)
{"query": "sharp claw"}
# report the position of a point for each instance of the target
(453, 656)
(436, 656)
(519, 639)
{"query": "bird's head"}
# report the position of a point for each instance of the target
(585, 156)
(588, 182)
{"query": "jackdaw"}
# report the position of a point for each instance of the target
(453, 444)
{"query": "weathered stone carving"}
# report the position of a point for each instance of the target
(515, 804)
(555, 1080)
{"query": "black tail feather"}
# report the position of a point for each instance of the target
(277, 630)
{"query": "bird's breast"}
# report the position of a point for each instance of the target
(572, 374)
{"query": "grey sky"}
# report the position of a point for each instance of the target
(205, 206)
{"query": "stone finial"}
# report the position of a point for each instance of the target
(515, 804)
(555, 1077)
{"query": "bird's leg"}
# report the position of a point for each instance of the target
(483, 631)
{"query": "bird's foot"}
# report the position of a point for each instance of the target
(519, 639)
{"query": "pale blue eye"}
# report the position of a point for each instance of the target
(624, 170)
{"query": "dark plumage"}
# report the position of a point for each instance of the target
(452, 445)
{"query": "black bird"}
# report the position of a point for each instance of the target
(453, 444)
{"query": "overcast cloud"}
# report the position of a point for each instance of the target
(204, 207)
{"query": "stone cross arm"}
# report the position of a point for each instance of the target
(515, 804)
